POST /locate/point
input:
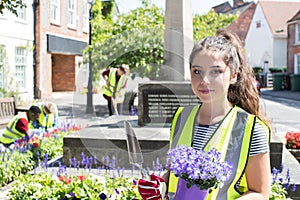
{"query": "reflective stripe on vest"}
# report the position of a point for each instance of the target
(10, 133)
(46, 120)
(42, 119)
(113, 89)
(234, 146)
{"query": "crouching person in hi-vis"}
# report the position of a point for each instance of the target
(228, 119)
(20, 126)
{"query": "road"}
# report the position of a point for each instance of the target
(283, 113)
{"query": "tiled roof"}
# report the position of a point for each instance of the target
(239, 9)
(222, 8)
(242, 24)
(278, 13)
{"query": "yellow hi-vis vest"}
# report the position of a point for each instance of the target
(10, 133)
(46, 121)
(114, 90)
(232, 138)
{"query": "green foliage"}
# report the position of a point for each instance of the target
(48, 186)
(281, 184)
(13, 165)
(206, 25)
(277, 69)
(22, 157)
(277, 192)
(11, 5)
(107, 9)
(135, 38)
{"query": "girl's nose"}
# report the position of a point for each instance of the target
(205, 79)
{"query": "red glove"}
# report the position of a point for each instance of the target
(155, 189)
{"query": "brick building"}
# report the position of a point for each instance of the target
(293, 44)
(61, 33)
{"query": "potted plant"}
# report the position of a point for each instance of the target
(198, 171)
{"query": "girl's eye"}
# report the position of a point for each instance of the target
(216, 71)
(197, 72)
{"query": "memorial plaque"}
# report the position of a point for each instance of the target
(158, 101)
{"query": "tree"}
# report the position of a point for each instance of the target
(137, 38)
(208, 24)
(11, 5)
(134, 38)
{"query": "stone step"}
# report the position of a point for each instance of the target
(108, 139)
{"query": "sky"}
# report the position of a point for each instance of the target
(198, 6)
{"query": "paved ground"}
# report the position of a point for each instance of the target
(287, 94)
(73, 105)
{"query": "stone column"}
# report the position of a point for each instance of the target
(178, 41)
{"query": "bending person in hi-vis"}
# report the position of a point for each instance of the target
(113, 90)
(48, 119)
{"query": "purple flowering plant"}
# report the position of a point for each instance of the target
(197, 167)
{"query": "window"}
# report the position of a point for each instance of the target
(20, 67)
(85, 16)
(297, 34)
(1, 66)
(55, 11)
(21, 13)
(72, 14)
(297, 64)
(258, 24)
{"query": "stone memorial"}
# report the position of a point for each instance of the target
(158, 101)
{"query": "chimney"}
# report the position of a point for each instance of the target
(237, 3)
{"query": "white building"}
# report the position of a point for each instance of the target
(16, 54)
(266, 41)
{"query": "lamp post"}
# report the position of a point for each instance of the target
(89, 103)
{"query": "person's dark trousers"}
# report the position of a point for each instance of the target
(109, 105)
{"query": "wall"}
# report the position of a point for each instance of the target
(259, 42)
(280, 55)
(18, 33)
(61, 77)
(63, 72)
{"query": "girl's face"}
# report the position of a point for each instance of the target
(210, 77)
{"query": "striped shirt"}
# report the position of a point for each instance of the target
(259, 145)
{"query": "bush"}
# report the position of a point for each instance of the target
(257, 70)
(277, 69)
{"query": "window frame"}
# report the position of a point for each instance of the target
(86, 17)
(55, 11)
(72, 14)
(22, 11)
(297, 33)
(2, 54)
(20, 61)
